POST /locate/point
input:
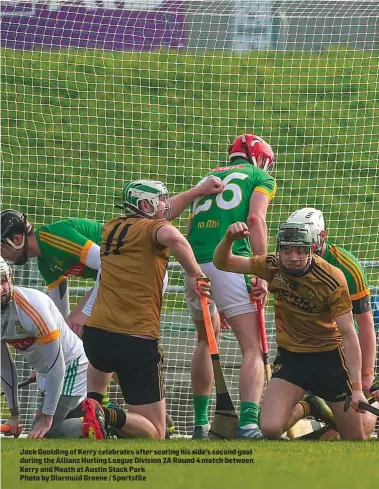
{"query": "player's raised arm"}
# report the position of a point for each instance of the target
(208, 186)
(178, 245)
(223, 257)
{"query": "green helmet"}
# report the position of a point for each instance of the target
(294, 234)
(151, 190)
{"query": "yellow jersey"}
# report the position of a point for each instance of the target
(305, 306)
(133, 266)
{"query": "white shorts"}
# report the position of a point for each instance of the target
(75, 379)
(229, 293)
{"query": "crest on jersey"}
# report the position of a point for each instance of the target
(19, 327)
(311, 295)
(276, 367)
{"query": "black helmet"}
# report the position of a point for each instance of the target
(13, 222)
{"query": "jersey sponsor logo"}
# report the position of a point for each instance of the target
(77, 270)
(57, 266)
(19, 327)
(294, 299)
(280, 278)
(226, 168)
(294, 285)
(210, 224)
(22, 343)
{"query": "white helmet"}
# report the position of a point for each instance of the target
(150, 190)
(6, 272)
(315, 221)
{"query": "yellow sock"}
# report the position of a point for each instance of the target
(105, 400)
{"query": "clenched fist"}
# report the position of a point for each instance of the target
(211, 185)
(237, 230)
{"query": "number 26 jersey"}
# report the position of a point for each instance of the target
(211, 215)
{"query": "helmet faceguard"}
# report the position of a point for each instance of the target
(297, 236)
(315, 221)
(6, 290)
(152, 191)
(13, 222)
(254, 149)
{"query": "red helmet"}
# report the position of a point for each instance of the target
(254, 149)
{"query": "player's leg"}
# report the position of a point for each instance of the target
(330, 380)
(202, 376)
(100, 349)
(137, 426)
(139, 366)
(62, 428)
(97, 382)
(231, 294)
(313, 406)
(278, 402)
(245, 328)
(369, 421)
(201, 367)
(290, 380)
(349, 423)
(125, 425)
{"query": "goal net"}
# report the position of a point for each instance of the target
(96, 93)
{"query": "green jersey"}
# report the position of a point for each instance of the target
(211, 215)
(355, 276)
(64, 246)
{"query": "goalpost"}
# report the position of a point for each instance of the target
(98, 93)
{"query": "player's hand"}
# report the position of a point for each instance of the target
(14, 423)
(259, 290)
(76, 322)
(237, 230)
(33, 375)
(212, 185)
(223, 321)
(374, 390)
(200, 287)
(41, 427)
(356, 398)
(367, 381)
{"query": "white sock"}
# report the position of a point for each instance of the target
(249, 426)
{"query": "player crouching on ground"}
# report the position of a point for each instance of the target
(362, 313)
(318, 348)
(122, 332)
(32, 324)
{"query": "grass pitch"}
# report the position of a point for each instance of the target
(276, 465)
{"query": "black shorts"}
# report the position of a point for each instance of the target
(324, 373)
(138, 363)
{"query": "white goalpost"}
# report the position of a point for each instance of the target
(98, 93)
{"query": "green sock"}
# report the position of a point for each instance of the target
(200, 404)
(249, 413)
